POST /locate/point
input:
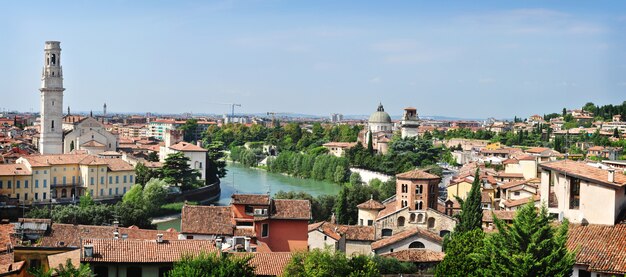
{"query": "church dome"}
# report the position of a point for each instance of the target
(380, 116)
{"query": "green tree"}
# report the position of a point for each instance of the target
(459, 248)
(355, 178)
(85, 201)
(134, 196)
(176, 171)
(144, 174)
(532, 246)
(325, 263)
(215, 162)
(189, 129)
(471, 214)
(370, 145)
(153, 156)
(212, 264)
(154, 195)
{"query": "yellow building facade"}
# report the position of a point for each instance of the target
(64, 177)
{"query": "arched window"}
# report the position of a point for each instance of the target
(443, 233)
(52, 124)
(386, 232)
(412, 218)
(418, 189)
(401, 221)
(419, 205)
(63, 193)
(54, 59)
(431, 222)
(420, 218)
(417, 244)
(71, 145)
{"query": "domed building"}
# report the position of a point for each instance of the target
(381, 129)
(380, 120)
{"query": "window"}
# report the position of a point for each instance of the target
(102, 180)
(117, 179)
(91, 181)
(370, 222)
(110, 179)
(101, 192)
(124, 179)
(325, 237)
(189, 237)
(116, 191)
(401, 221)
(124, 190)
(417, 244)
(386, 232)
(91, 192)
(52, 120)
(54, 180)
(110, 191)
(574, 193)
(361, 222)
(443, 233)
(249, 209)
(131, 179)
(17, 196)
(45, 172)
(74, 180)
(36, 196)
(26, 184)
(25, 196)
(45, 183)
(418, 189)
(9, 184)
(516, 193)
(431, 222)
(265, 230)
(36, 171)
(36, 184)
(419, 205)
(64, 180)
(44, 196)
(17, 184)
(0, 184)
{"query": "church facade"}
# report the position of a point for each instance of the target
(381, 129)
(89, 135)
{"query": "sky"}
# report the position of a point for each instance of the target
(467, 59)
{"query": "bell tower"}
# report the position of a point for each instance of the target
(51, 114)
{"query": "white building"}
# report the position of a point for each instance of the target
(195, 153)
(51, 138)
(90, 135)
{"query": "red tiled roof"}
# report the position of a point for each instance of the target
(340, 144)
(601, 247)
(186, 146)
(584, 171)
(371, 205)
(416, 255)
(500, 214)
(69, 235)
(359, 233)
(522, 201)
(13, 169)
(60, 259)
(268, 264)
(11, 267)
(145, 251)
(251, 199)
(536, 150)
(329, 229)
(515, 184)
(510, 175)
(208, 220)
(416, 174)
(292, 209)
(407, 234)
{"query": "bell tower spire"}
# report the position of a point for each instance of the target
(51, 114)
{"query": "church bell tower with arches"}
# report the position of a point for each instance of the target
(51, 114)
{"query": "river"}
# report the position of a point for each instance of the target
(241, 179)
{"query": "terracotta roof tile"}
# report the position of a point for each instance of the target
(329, 229)
(416, 174)
(602, 248)
(145, 251)
(500, 214)
(509, 175)
(516, 183)
(250, 199)
(292, 209)
(536, 150)
(358, 233)
(522, 201)
(416, 255)
(268, 264)
(407, 234)
(186, 146)
(208, 220)
(11, 267)
(584, 171)
(371, 205)
(13, 169)
(60, 259)
(69, 235)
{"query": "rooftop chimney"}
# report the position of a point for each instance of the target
(218, 244)
(199, 143)
(247, 244)
(88, 250)
(116, 235)
(159, 238)
(611, 175)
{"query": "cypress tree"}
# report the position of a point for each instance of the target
(370, 145)
(471, 215)
(531, 246)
